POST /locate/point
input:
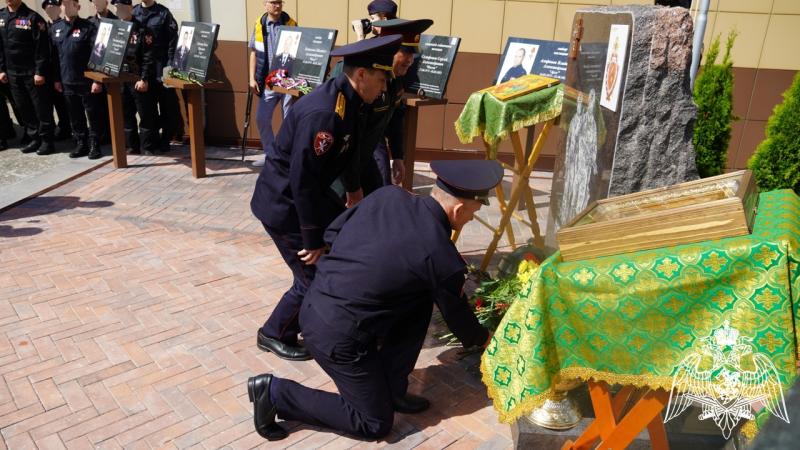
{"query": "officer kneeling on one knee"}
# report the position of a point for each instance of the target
(73, 39)
(365, 316)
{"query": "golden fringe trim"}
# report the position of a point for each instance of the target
(749, 429)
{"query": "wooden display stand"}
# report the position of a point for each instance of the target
(196, 120)
(616, 431)
(114, 95)
(523, 166)
(410, 134)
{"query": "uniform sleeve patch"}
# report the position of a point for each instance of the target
(323, 142)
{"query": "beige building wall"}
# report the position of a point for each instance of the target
(765, 54)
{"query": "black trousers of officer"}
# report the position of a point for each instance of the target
(34, 105)
(80, 106)
(131, 123)
(62, 111)
(148, 117)
(283, 324)
(101, 103)
(367, 377)
(169, 113)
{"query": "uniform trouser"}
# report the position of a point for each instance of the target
(147, 108)
(283, 323)
(131, 123)
(34, 105)
(101, 103)
(381, 156)
(80, 107)
(168, 115)
(267, 103)
(62, 110)
(6, 124)
(367, 377)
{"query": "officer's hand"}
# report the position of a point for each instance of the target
(38, 80)
(141, 86)
(4, 78)
(354, 197)
(59, 87)
(254, 86)
(310, 257)
(97, 88)
(398, 171)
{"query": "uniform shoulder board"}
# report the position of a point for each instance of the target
(340, 105)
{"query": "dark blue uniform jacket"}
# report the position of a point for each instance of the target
(312, 149)
(72, 45)
(159, 21)
(24, 44)
(389, 254)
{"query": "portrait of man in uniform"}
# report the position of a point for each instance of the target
(184, 47)
(100, 44)
(517, 61)
(288, 44)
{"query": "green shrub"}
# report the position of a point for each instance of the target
(713, 94)
(776, 163)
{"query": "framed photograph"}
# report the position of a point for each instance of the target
(110, 47)
(523, 56)
(196, 44)
(304, 53)
(615, 66)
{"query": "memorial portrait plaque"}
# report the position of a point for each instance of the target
(532, 57)
(588, 129)
(304, 53)
(196, 44)
(110, 46)
(432, 66)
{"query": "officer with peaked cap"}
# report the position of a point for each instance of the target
(371, 289)
(292, 197)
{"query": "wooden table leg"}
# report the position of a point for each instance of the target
(196, 135)
(116, 120)
(526, 166)
(410, 137)
(501, 199)
(646, 411)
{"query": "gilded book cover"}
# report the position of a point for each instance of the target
(521, 86)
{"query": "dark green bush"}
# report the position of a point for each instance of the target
(776, 163)
(713, 94)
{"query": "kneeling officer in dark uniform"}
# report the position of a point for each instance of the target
(365, 316)
(315, 145)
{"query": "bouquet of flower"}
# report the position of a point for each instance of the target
(494, 296)
(281, 78)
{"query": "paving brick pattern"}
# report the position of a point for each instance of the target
(129, 302)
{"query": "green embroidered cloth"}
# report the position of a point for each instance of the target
(494, 120)
(633, 318)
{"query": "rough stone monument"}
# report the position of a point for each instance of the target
(628, 114)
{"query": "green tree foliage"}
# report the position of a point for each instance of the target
(713, 94)
(776, 163)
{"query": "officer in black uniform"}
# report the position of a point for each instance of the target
(52, 11)
(366, 313)
(138, 96)
(158, 19)
(99, 100)
(292, 196)
(25, 66)
(73, 39)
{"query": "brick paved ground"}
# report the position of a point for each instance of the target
(129, 301)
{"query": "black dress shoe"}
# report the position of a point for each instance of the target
(47, 148)
(410, 404)
(281, 349)
(31, 147)
(263, 410)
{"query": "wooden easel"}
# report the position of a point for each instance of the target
(520, 188)
(197, 143)
(410, 134)
(615, 430)
(113, 87)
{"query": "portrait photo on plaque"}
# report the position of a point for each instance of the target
(196, 44)
(523, 56)
(110, 45)
(433, 64)
(615, 64)
(304, 53)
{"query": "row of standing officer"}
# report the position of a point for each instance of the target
(61, 53)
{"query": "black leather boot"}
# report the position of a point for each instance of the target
(47, 148)
(81, 148)
(32, 146)
(94, 149)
